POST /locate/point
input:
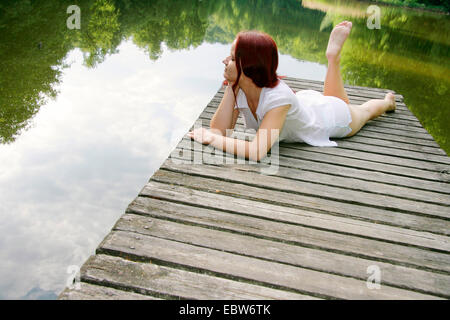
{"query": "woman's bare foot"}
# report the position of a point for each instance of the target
(337, 39)
(391, 99)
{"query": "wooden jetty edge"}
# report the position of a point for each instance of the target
(369, 219)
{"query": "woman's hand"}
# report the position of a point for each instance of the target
(228, 84)
(201, 135)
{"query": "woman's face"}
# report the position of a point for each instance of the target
(230, 73)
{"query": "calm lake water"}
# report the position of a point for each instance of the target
(88, 115)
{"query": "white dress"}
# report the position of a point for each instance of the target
(312, 118)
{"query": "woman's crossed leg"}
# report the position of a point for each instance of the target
(334, 86)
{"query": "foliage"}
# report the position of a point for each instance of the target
(409, 54)
(101, 36)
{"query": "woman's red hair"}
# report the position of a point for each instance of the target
(256, 55)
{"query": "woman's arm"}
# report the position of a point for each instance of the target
(225, 116)
(265, 137)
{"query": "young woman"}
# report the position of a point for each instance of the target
(274, 110)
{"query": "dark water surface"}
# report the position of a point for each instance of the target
(87, 116)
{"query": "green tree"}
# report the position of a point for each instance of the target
(102, 35)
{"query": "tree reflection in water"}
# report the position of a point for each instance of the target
(409, 54)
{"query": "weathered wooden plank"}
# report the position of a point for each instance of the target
(319, 260)
(400, 133)
(185, 151)
(317, 154)
(400, 115)
(283, 224)
(393, 144)
(325, 155)
(89, 291)
(358, 231)
(407, 154)
(382, 147)
(385, 201)
(308, 171)
(390, 125)
(407, 117)
(171, 283)
(227, 265)
(412, 153)
(395, 138)
(302, 202)
(401, 163)
(396, 120)
(367, 132)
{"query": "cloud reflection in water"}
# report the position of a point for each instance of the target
(66, 181)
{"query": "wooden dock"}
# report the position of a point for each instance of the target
(369, 219)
